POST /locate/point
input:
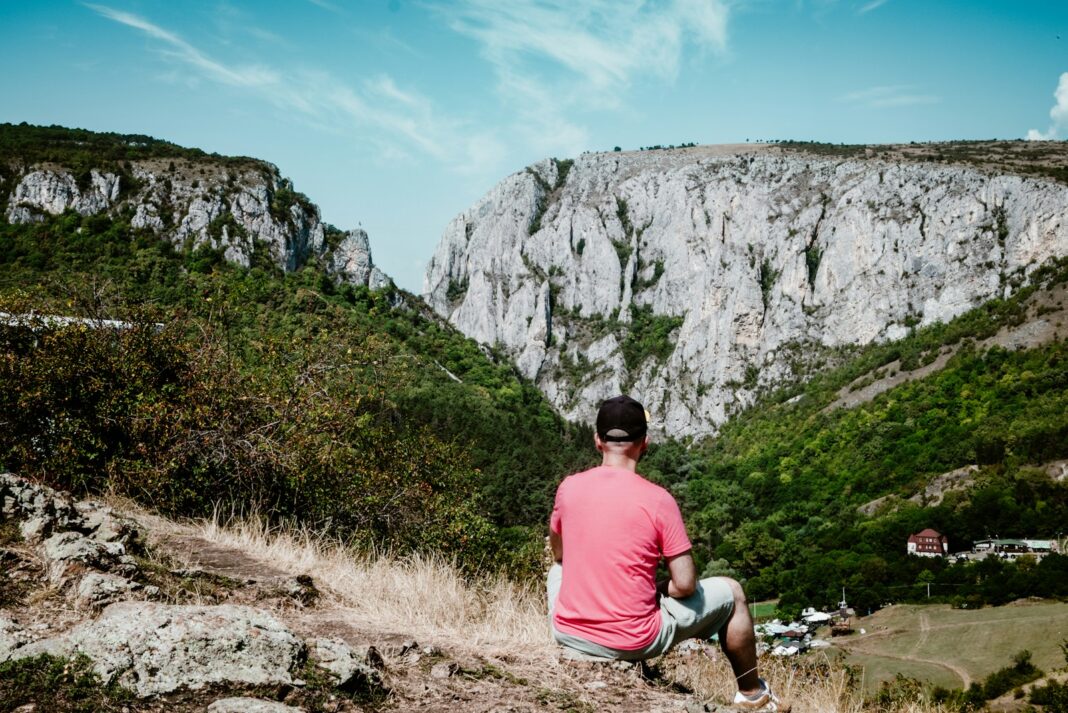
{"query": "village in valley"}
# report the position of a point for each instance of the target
(792, 638)
(931, 543)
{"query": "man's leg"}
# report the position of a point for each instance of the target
(719, 607)
(738, 641)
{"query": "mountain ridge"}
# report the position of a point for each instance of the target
(743, 268)
(242, 207)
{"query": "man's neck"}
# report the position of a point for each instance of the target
(619, 460)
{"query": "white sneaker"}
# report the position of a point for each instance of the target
(765, 702)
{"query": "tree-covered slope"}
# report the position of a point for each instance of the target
(775, 496)
(356, 412)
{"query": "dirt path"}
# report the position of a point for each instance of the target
(925, 629)
(472, 678)
(852, 647)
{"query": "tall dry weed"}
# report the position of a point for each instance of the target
(421, 595)
(425, 596)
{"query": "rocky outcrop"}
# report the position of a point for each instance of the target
(694, 278)
(351, 260)
(153, 648)
(72, 539)
(353, 672)
(243, 208)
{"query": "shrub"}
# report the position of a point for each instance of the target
(56, 684)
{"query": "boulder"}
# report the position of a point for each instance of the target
(11, 637)
(24, 500)
(104, 525)
(154, 649)
(354, 671)
(65, 549)
(97, 588)
(250, 705)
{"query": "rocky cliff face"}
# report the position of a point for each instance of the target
(244, 208)
(693, 278)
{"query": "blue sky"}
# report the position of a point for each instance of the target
(396, 115)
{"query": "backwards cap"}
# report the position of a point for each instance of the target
(621, 419)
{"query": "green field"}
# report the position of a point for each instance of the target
(953, 647)
(762, 611)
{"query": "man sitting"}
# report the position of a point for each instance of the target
(608, 531)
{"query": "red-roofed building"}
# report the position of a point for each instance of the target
(928, 543)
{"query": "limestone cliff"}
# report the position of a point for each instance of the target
(243, 207)
(693, 278)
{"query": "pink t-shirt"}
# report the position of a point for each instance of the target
(615, 526)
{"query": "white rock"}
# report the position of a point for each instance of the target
(97, 588)
(897, 243)
(250, 705)
(234, 210)
(11, 637)
(154, 648)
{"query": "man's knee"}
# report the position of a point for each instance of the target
(740, 601)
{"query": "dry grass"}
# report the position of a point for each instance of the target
(421, 595)
(814, 684)
(426, 597)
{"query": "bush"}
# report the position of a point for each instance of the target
(60, 685)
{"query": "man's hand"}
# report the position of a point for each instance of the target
(556, 542)
(683, 580)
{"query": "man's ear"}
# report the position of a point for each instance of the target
(597, 443)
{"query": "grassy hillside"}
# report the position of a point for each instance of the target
(774, 496)
(953, 648)
(356, 412)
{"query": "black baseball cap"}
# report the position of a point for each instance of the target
(621, 419)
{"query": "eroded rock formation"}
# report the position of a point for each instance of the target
(244, 208)
(693, 278)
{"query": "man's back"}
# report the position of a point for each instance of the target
(615, 526)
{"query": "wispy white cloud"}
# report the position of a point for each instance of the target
(872, 5)
(397, 121)
(324, 4)
(1058, 114)
(554, 59)
(883, 97)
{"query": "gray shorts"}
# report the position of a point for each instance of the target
(700, 615)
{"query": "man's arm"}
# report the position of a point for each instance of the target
(556, 542)
(683, 580)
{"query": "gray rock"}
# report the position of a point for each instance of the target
(11, 637)
(445, 669)
(250, 705)
(265, 214)
(25, 500)
(351, 261)
(105, 525)
(65, 549)
(768, 260)
(157, 648)
(35, 529)
(96, 589)
(354, 672)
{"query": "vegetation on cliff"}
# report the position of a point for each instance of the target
(774, 497)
